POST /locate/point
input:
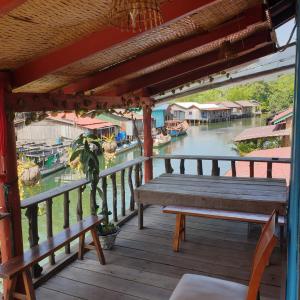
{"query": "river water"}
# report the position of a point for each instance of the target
(211, 139)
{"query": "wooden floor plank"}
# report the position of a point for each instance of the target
(48, 294)
(143, 266)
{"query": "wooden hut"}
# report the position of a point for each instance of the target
(63, 127)
(235, 109)
(250, 108)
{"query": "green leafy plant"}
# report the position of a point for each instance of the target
(82, 150)
(246, 147)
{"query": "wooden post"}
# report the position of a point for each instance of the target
(11, 228)
(148, 142)
(148, 152)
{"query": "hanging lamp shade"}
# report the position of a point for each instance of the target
(135, 15)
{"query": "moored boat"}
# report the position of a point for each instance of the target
(161, 140)
(177, 128)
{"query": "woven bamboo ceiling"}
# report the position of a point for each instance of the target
(51, 45)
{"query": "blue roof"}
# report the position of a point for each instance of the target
(163, 106)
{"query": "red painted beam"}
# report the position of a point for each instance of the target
(96, 42)
(241, 47)
(27, 102)
(251, 16)
(212, 69)
(7, 5)
(148, 142)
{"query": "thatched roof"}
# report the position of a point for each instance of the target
(56, 44)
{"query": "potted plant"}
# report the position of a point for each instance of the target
(107, 231)
(82, 153)
(109, 144)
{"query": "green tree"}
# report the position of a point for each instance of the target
(281, 93)
(273, 96)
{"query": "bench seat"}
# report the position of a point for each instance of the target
(20, 265)
(182, 211)
(221, 214)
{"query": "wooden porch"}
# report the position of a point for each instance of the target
(144, 266)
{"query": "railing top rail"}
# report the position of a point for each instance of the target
(76, 184)
(225, 158)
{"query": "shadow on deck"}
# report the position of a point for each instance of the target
(143, 265)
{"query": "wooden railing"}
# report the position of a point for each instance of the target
(31, 205)
(215, 169)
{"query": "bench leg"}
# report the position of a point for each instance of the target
(81, 246)
(177, 234)
(10, 289)
(98, 247)
(30, 294)
(182, 228)
(141, 216)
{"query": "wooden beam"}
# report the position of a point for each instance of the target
(23, 102)
(229, 81)
(240, 47)
(8, 5)
(249, 17)
(96, 42)
(212, 69)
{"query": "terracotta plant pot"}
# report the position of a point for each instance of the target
(108, 241)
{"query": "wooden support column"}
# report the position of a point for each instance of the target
(10, 229)
(148, 142)
(148, 151)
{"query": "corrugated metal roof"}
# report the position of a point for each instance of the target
(86, 122)
(260, 169)
(282, 116)
(261, 132)
(247, 103)
(229, 104)
(188, 105)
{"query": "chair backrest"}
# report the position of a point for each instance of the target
(263, 251)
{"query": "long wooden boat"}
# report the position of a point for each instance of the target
(161, 140)
(177, 128)
(50, 159)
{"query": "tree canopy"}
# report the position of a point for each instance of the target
(273, 96)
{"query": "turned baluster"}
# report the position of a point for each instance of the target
(215, 171)
(131, 188)
(33, 235)
(168, 166)
(79, 210)
(269, 169)
(233, 168)
(199, 167)
(137, 176)
(123, 195)
(67, 218)
(182, 168)
(49, 203)
(114, 190)
(251, 168)
(104, 199)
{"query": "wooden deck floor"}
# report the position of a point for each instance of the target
(143, 265)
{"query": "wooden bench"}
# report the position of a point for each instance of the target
(182, 211)
(19, 266)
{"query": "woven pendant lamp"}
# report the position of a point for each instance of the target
(135, 15)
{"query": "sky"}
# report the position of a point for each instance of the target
(283, 33)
